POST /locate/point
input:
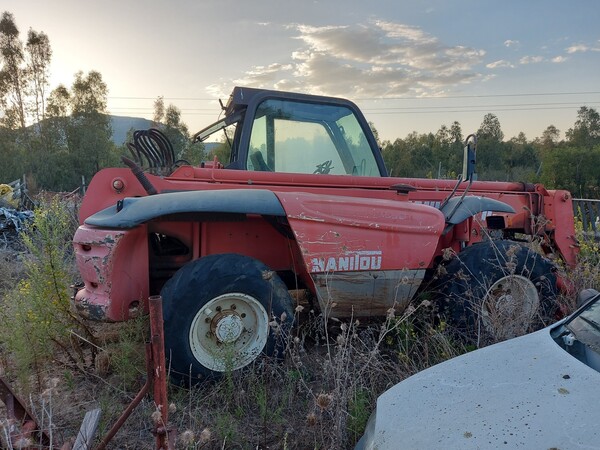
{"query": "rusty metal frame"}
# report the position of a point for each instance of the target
(25, 426)
(156, 378)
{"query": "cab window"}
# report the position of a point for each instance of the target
(298, 137)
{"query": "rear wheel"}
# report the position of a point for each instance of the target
(221, 313)
(498, 290)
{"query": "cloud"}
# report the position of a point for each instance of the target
(531, 59)
(578, 48)
(559, 59)
(510, 43)
(378, 58)
(500, 64)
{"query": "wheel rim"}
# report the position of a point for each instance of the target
(509, 306)
(229, 332)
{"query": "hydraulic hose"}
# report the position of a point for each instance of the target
(140, 175)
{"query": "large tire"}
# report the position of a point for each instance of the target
(220, 313)
(496, 290)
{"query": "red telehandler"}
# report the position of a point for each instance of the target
(305, 204)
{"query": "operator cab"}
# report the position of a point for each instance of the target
(271, 131)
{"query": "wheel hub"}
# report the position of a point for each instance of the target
(229, 332)
(509, 306)
(227, 327)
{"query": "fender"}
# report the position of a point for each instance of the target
(134, 211)
(458, 209)
(364, 255)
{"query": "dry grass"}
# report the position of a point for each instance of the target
(11, 268)
(319, 397)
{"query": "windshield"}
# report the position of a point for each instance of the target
(586, 326)
(302, 137)
(222, 124)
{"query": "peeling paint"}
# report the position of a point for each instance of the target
(91, 311)
(303, 216)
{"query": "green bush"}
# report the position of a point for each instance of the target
(37, 314)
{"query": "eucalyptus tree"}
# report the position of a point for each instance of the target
(89, 133)
(12, 73)
(168, 120)
(586, 131)
(39, 54)
(490, 149)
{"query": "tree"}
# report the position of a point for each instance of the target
(490, 129)
(57, 118)
(574, 169)
(396, 157)
(89, 133)
(222, 151)
(39, 55)
(375, 133)
(11, 155)
(456, 132)
(520, 158)
(88, 94)
(447, 151)
(490, 149)
(59, 102)
(550, 137)
(168, 120)
(586, 132)
(159, 111)
(12, 75)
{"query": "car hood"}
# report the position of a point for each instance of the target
(524, 393)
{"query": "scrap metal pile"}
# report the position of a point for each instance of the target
(14, 220)
(13, 215)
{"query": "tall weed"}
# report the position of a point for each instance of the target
(37, 313)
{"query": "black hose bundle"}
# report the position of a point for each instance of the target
(152, 149)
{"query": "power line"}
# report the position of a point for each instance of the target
(164, 98)
(480, 96)
(572, 104)
(400, 110)
(385, 98)
(475, 109)
(147, 108)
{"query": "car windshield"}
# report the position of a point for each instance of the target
(586, 325)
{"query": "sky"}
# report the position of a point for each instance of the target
(410, 65)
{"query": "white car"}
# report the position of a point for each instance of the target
(539, 391)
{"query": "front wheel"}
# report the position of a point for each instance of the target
(221, 312)
(498, 290)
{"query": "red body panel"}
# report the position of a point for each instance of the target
(364, 257)
(360, 226)
(389, 234)
(113, 265)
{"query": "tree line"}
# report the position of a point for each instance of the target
(56, 137)
(572, 163)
